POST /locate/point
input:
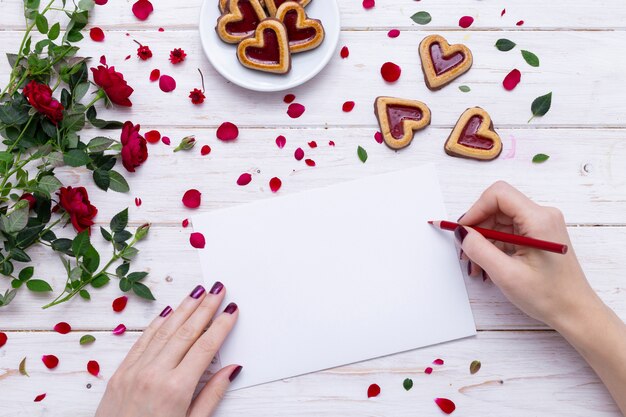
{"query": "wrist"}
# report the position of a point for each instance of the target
(577, 319)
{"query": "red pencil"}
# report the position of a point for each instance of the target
(506, 237)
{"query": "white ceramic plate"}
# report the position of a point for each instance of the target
(304, 65)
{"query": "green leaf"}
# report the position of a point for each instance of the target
(119, 221)
(362, 153)
(530, 58)
(19, 255)
(91, 259)
(22, 367)
(42, 23)
(9, 295)
(79, 91)
(26, 273)
(125, 285)
(63, 245)
(17, 220)
(422, 18)
(122, 236)
(84, 294)
(75, 274)
(102, 179)
(28, 235)
(129, 253)
(505, 45)
(54, 31)
(105, 234)
(474, 367)
(540, 158)
(49, 184)
(86, 4)
(81, 243)
(118, 183)
(38, 285)
(99, 144)
(136, 276)
(122, 270)
(100, 281)
(142, 291)
(76, 158)
(87, 339)
(407, 384)
(541, 105)
(464, 88)
(16, 283)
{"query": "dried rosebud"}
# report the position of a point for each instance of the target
(142, 231)
(186, 143)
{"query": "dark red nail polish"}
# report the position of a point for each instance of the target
(460, 233)
(235, 373)
(469, 268)
(459, 219)
(485, 276)
(461, 254)
(230, 308)
(197, 292)
(166, 311)
(216, 288)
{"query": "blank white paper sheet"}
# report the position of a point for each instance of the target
(336, 275)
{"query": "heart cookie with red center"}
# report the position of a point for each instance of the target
(442, 62)
(274, 5)
(399, 118)
(240, 21)
(223, 5)
(474, 137)
(303, 33)
(268, 49)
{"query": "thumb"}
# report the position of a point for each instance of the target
(484, 253)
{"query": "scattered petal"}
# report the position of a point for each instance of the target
(331, 143)
(289, 98)
(227, 131)
(87, 339)
(520, 23)
(205, 150)
(155, 74)
(390, 72)
(185, 223)
(281, 141)
(373, 391)
(428, 370)
(348, 106)
(312, 144)
(96, 34)
(512, 79)
(295, 110)
(378, 137)
(177, 56)
(3, 339)
(309, 162)
(138, 201)
(503, 12)
(445, 404)
(407, 384)
(368, 4)
(466, 21)
(361, 153)
(93, 368)
(142, 9)
(275, 184)
(50, 361)
(101, 2)
(153, 136)
(40, 397)
(166, 140)
(22, 367)
(192, 198)
(197, 240)
(62, 327)
(298, 154)
(438, 362)
(244, 179)
(119, 304)
(345, 52)
(167, 83)
(161, 30)
(393, 33)
(119, 330)
(475, 367)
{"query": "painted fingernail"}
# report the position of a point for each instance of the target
(459, 219)
(460, 233)
(230, 308)
(235, 373)
(461, 254)
(485, 276)
(166, 311)
(197, 292)
(469, 268)
(216, 288)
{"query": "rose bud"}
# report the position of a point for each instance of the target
(186, 143)
(142, 231)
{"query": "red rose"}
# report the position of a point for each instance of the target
(177, 56)
(144, 52)
(113, 84)
(197, 96)
(134, 149)
(75, 202)
(40, 97)
(30, 198)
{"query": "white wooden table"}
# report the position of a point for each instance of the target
(527, 369)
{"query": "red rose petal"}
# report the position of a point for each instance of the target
(155, 74)
(390, 72)
(197, 240)
(40, 397)
(503, 12)
(428, 370)
(309, 162)
(142, 9)
(96, 34)
(50, 361)
(244, 179)
(446, 405)
(281, 141)
(101, 2)
(512, 79)
(119, 304)
(93, 368)
(3, 339)
(438, 362)
(192, 198)
(466, 21)
(227, 131)
(62, 327)
(313, 144)
(119, 330)
(289, 98)
(185, 223)
(137, 201)
(205, 150)
(298, 154)
(345, 52)
(127, 58)
(275, 184)
(348, 106)
(161, 30)
(153, 136)
(520, 23)
(331, 143)
(373, 391)
(378, 137)
(295, 110)
(393, 33)
(167, 83)
(368, 4)
(166, 140)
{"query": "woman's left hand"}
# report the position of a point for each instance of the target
(160, 373)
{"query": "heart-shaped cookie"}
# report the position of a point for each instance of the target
(223, 5)
(442, 62)
(274, 5)
(474, 137)
(303, 33)
(268, 49)
(399, 119)
(240, 21)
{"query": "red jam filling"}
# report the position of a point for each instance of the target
(396, 114)
(247, 25)
(442, 63)
(270, 52)
(294, 34)
(470, 138)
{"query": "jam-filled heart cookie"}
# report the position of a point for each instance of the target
(303, 33)
(274, 5)
(223, 5)
(399, 119)
(474, 137)
(240, 21)
(268, 49)
(442, 62)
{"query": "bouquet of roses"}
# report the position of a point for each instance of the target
(42, 117)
